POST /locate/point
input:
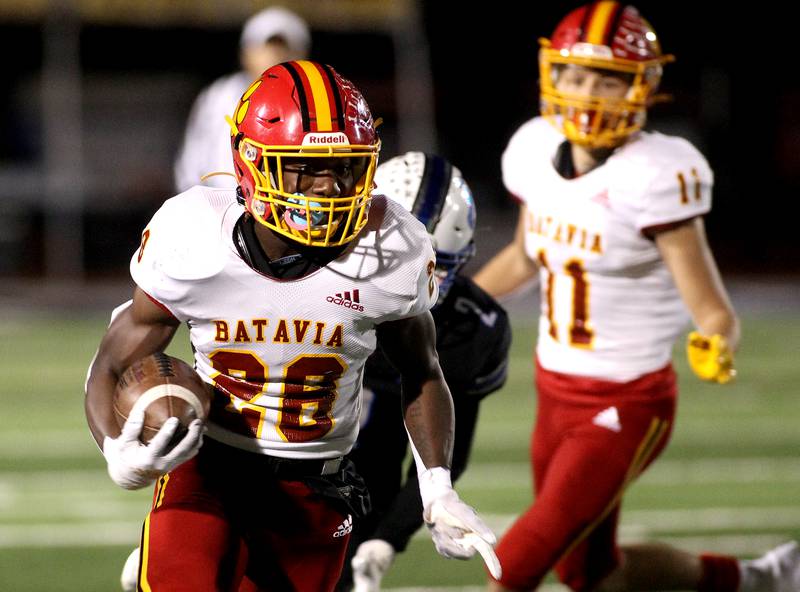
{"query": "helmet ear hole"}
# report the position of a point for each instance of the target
(237, 139)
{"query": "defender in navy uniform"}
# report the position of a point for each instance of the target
(473, 338)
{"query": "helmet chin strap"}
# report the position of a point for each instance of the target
(216, 174)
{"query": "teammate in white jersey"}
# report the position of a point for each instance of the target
(611, 221)
(286, 285)
(269, 37)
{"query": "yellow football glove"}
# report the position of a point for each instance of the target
(710, 358)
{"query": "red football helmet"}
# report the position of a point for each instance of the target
(297, 111)
(612, 39)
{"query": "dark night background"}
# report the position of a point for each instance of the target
(735, 87)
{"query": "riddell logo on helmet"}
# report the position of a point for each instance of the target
(345, 299)
(332, 138)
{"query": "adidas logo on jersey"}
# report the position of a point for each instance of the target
(345, 299)
(609, 419)
(344, 528)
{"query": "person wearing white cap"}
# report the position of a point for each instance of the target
(269, 37)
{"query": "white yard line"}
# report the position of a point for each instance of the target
(34, 505)
(479, 475)
(644, 524)
(751, 545)
(67, 443)
(70, 535)
(638, 525)
(60, 480)
(714, 519)
(740, 546)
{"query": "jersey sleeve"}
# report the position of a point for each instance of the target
(512, 160)
(508, 165)
(534, 142)
(494, 370)
(427, 288)
(178, 247)
(678, 187)
(473, 332)
(420, 277)
(411, 288)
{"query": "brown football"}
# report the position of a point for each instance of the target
(166, 387)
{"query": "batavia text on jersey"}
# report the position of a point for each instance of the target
(282, 331)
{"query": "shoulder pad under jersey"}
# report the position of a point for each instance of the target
(665, 178)
(395, 255)
(184, 240)
(533, 144)
(392, 241)
(666, 156)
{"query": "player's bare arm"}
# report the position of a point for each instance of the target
(687, 255)
(140, 329)
(511, 268)
(686, 252)
(410, 344)
(456, 530)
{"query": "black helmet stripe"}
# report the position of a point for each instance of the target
(432, 191)
(301, 94)
(614, 24)
(335, 92)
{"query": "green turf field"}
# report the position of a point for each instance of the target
(730, 480)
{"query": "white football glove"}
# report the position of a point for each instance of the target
(457, 531)
(133, 465)
(370, 564)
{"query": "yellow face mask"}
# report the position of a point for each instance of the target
(312, 220)
(301, 121)
(594, 118)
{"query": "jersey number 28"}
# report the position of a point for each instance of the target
(308, 391)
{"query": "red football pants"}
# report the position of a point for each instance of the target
(217, 526)
(591, 440)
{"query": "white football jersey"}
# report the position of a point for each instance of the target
(609, 306)
(287, 356)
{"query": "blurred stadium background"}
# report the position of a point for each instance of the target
(95, 98)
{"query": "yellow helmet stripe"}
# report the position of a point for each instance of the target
(598, 25)
(319, 94)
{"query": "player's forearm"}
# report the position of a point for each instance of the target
(429, 421)
(506, 272)
(98, 405)
(686, 252)
(131, 335)
(721, 321)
